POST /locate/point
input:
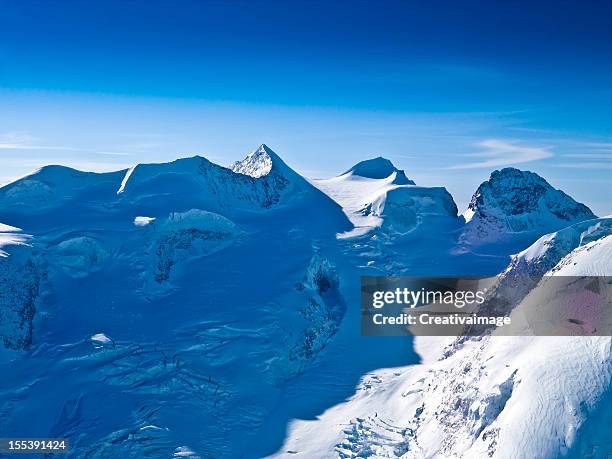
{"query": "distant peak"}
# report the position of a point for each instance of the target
(379, 168)
(514, 201)
(256, 164)
(517, 191)
(262, 162)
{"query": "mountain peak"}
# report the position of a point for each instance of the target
(259, 163)
(514, 201)
(512, 173)
(379, 168)
(263, 148)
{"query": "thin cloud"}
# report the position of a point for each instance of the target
(22, 140)
(25, 141)
(14, 146)
(502, 153)
(598, 144)
(112, 153)
(17, 137)
(603, 155)
(586, 165)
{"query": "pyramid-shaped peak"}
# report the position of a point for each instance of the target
(379, 168)
(263, 148)
(259, 163)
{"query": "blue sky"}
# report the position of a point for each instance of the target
(447, 90)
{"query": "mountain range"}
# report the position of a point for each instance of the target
(186, 309)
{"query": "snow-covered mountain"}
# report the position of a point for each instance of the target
(497, 396)
(212, 185)
(154, 190)
(186, 309)
(185, 292)
(514, 202)
(374, 194)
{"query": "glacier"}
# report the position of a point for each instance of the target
(186, 309)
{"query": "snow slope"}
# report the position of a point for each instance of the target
(172, 336)
(501, 397)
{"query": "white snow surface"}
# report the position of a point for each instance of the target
(9, 235)
(128, 173)
(370, 198)
(101, 338)
(500, 396)
(143, 221)
(548, 250)
(354, 193)
(8, 229)
(232, 316)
